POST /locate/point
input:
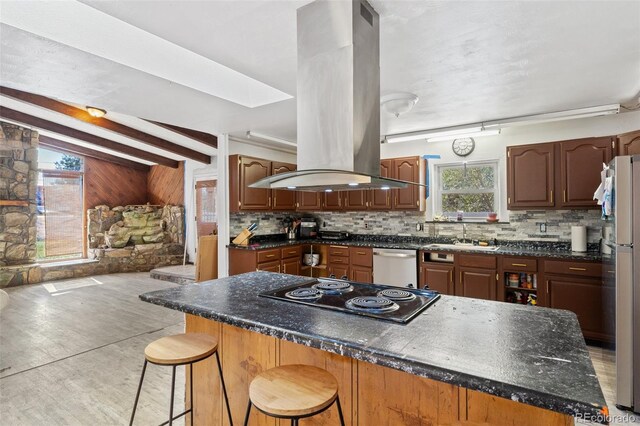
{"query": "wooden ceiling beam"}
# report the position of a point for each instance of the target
(202, 137)
(105, 123)
(40, 123)
(49, 142)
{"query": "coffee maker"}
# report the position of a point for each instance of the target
(308, 228)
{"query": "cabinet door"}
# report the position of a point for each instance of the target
(438, 277)
(291, 266)
(339, 270)
(406, 169)
(361, 274)
(629, 143)
(308, 201)
(269, 266)
(580, 166)
(583, 297)
(252, 170)
(355, 200)
(477, 283)
(530, 176)
(283, 199)
(380, 199)
(332, 201)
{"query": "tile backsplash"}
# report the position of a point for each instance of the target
(522, 225)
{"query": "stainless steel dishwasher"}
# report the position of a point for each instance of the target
(395, 267)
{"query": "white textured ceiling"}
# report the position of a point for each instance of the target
(467, 61)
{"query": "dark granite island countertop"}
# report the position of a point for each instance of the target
(536, 356)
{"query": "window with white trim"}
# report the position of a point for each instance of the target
(468, 187)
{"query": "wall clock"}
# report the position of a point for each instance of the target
(463, 146)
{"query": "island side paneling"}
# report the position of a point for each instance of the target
(370, 394)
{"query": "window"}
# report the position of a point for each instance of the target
(468, 187)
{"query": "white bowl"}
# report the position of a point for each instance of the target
(311, 259)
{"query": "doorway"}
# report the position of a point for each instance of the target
(206, 216)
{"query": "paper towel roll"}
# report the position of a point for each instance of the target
(579, 238)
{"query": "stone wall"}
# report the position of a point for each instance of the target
(522, 225)
(18, 183)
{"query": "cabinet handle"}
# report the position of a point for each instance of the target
(360, 252)
(547, 286)
(524, 265)
(278, 268)
(611, 272)
(460, 277)
(497, 277)
(552, 195)
(336, 253)
(577, 269)
(269, 201)
(292, 252)
(270, 255)
(564, 195)
(334, 246)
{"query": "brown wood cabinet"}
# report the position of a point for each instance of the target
(557, 175)
(380, 199)
(477, 283)
(309, 201)
(438, 276)
(283, 200)
(356, 200)
(580, 165)
(410, 169)
(530, 176)
(628, 143)
(244, 171)
(332, 201)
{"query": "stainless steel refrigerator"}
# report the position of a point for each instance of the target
(623, 234)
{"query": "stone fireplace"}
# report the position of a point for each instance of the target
(136, 238)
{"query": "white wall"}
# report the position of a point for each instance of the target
(256, 149)
(494, 147)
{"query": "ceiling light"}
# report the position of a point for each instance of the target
(398, 103)
(478, 134)
(328, 190)
(291, 187)
(384, 188)
(255, 135)
(555, 116)
(427, 134)
(96, 112)
(353, 184)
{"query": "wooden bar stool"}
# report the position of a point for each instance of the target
(293, 392)
(181, 349)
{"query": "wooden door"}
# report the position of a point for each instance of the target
(476, 283)
(438, 277)
(291, 266)
(283, 199)
(361, 274)
(380, 199)
(206, 215)
(583, 296)
(273, 266)
(530, 176)
(629, 143)
(308, 201)
(332, 201)
(580, 166)
(355, 200)
(338, 270)
(406, 169)
(252, 170)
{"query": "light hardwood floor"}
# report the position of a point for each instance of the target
(71, 353)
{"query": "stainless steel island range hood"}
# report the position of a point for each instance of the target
(338, 101)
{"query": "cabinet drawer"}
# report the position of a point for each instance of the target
(361, 256)
(268, 255)
(269, 266)
(289, 252)
(477, 261)
(338, 251)
(516, 264)
(585, 269)
(338, 260)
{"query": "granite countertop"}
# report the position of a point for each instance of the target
(511, 248)
(532, 355)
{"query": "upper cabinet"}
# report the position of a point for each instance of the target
(530, 176)
(580, 165)
(411, 169)
(629, 143)
(243, 171)
(379, 198)
(556, 175)
(283, 199)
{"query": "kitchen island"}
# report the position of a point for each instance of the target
(462, 361)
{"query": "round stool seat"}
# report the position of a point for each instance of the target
(293, 390)
(181, 348)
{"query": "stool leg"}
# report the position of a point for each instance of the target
(224, 391)
(339, 411)
(294, 422)
(246, 417)
(173, 390)
(191, 391)
(135, 404)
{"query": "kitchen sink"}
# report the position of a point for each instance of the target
(460, 246)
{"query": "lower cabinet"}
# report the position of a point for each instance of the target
(477, 283)
(273, 266)
(339, 271)
(438, 276)
(291, 266)
(361, 274)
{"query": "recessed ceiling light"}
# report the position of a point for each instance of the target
(328, 190)
(384, 188)
(353, 184)
(291, 187)
(96, 112)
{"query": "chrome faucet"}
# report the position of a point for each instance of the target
(464, 232)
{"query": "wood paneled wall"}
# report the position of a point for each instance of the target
(112, 184)
(166, 185)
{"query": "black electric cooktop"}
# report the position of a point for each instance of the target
(383, 302)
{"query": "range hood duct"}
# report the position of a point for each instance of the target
(338, 100)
